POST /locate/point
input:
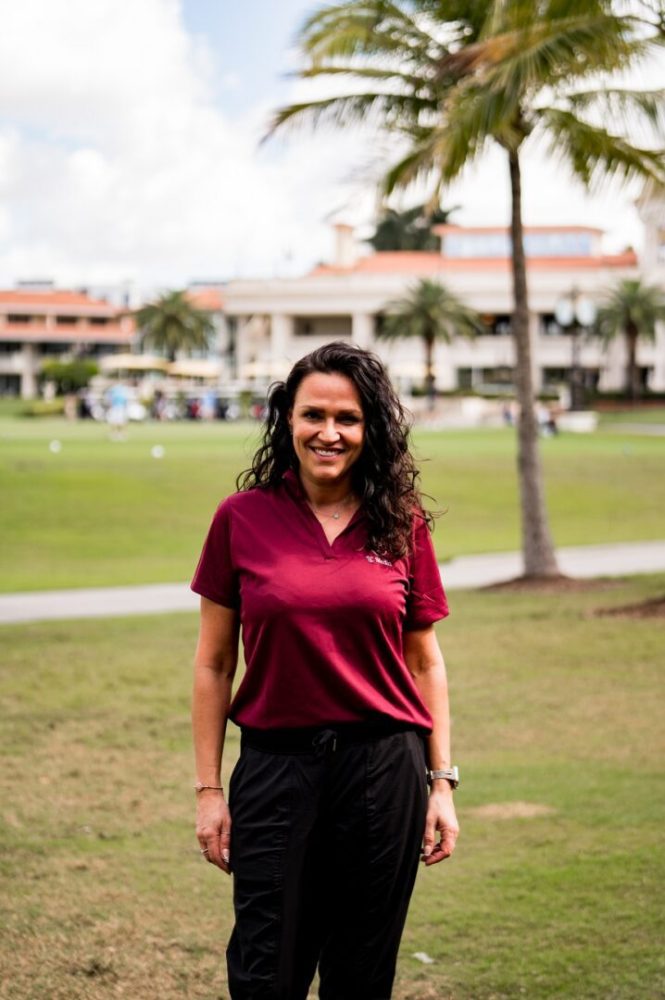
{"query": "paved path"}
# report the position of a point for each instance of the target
(466, 571)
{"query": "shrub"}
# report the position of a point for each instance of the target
(68, 376)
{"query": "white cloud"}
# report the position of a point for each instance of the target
(116, 163)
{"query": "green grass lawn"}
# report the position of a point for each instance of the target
(634, 415)
(101, 512)
(105, 893)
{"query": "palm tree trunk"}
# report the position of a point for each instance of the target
(430, 386)
(633, 386)
(537, 547)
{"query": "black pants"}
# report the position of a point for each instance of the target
(324, 853)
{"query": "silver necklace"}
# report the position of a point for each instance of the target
(336, 514)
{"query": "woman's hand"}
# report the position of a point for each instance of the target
(440, 819)
(213, 828)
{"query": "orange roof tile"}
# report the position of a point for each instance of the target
(208, 299)
(112, 333)
(417, 262)
(53, 300)
(449, 227)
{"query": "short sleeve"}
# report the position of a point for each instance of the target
(426, 601)
(216, 576)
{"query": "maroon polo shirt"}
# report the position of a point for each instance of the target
(322, 625)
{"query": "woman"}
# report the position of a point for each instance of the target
(325, 558)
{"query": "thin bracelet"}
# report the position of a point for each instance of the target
(198, 787)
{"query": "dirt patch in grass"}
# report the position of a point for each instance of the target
(511, 810)
(652, 608)
(551, 585)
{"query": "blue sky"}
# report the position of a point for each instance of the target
(249, 41)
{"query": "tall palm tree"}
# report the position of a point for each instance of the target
(450, 77)
(431, 312)
(408, 230)
(631, 309)
(172, 323)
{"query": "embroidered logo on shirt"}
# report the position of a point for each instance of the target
(373, 558)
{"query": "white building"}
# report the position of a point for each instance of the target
(277, 321)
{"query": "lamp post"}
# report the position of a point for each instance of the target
(575, 312)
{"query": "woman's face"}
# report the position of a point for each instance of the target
(328, 428)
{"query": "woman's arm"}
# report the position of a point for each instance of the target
(214, 668)
(425, 662)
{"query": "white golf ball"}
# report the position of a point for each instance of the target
(157, 451)
(55, 447)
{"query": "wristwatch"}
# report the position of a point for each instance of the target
(451, 774)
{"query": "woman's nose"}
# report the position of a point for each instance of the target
(329, 431)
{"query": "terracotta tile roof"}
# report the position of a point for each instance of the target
(208, 299)
(449, 227)
(109, 333)
(415, 262)
(53, 301)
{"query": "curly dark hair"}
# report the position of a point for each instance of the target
(384, 476)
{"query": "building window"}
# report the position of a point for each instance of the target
(54, 348)
(9, 347)
(548, 326)
(10, 385)
(66, 320)
(496, 245)
(98, 320)
(553, 377)
(19, 318)
(498, 325)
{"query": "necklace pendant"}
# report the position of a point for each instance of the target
(336, 515)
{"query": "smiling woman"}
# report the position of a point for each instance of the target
(324, 559)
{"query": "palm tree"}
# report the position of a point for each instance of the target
(172, 323)
(408, 230)
(432, 312)
(449, 77)
(631, 309)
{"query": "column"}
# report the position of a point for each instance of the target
(28, 372)
(658, 377)
(362, 330)
(281, 334)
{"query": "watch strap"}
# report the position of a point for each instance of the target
(451, 774)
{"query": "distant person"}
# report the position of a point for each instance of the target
(118, 406)
(208, 405)
(324, 558)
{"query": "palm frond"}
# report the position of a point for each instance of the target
(470, 117)
(363, 28)
(593, 153)
(389, 110)
(430, 310)
(416, 81)
(525, 57)
(622, 106)
(630, 302)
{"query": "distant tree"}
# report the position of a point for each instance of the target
(408, 230)
(450, 79)
(431, 312)
(631, 310)
(172, 323)
(68, 376)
